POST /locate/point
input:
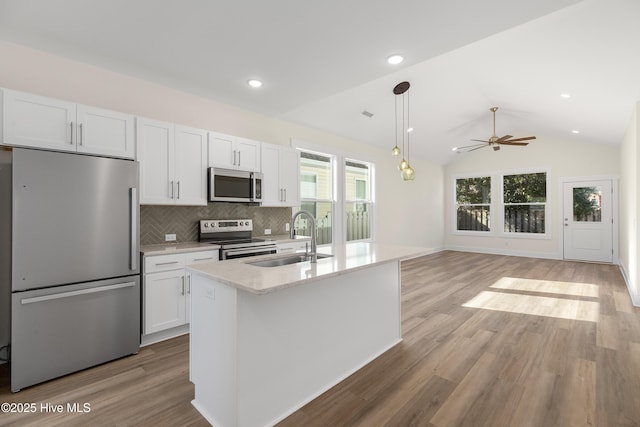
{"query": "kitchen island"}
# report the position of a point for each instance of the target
(267, 340)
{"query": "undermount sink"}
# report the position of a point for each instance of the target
(293, 259)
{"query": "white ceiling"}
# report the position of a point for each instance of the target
(323, 63)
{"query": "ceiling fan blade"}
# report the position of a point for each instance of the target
(526, 138)
(522, 144)
(470, 146)
(480, 140)
(503, 138)
(477, 148)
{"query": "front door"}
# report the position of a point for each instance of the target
(588, 221)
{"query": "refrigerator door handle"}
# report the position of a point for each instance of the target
(75, 293)
(133, 192)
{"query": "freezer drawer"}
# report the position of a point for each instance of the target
(60, 330)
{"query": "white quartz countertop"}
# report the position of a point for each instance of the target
(259, 280)
(172, 248)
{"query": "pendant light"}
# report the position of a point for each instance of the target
(406, 171)
(396, 150)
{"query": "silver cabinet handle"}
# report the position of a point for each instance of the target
(171, 185)
(189, 284)
(166, 263)
(285, 195)
(71, 133)
(239, 152)
(75, 293)
(234, 157)
(80, 137)
(183, 285)
(178, 190)
(203, 259)
(133, 217)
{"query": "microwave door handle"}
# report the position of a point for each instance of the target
(252, 186)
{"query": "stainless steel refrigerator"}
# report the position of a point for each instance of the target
(74, 274)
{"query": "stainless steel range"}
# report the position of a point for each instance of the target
(234, 238)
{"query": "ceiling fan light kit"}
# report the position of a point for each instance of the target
(406, 171)
(495, 141)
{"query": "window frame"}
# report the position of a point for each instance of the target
(369, 201)
(339, 233)
(521, 235)
(497, 206)
(332, 197)
(454, 215)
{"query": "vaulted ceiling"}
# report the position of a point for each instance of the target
(324, 63)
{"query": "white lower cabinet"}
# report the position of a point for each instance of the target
(167, 293)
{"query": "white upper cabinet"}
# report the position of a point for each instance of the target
(233, 152)
(280, 167)
(105, 132)
(191, 166)
(36, 121)
(173, 163)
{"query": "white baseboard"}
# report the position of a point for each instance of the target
(507, 252)
(635, 300)
(164, 335)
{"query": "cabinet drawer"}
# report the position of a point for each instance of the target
(200, 257)
(153, 264)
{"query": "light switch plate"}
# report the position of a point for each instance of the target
(169, 237)
(267, 231)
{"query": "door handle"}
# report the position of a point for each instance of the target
(133, 215)
(76, 293)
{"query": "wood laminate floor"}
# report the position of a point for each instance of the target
(488, 341)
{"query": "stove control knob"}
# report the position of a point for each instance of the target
(206, 225)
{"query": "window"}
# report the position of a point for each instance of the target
(316, 195)
(525, 199)
(358, 200)
(473, 204)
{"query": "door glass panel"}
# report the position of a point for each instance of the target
(587, 204)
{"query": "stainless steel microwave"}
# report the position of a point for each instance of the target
(228, 185)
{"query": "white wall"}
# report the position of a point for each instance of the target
(630, 205)
(560, 158)
(408, 213)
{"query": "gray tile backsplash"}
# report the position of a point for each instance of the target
(156, 221)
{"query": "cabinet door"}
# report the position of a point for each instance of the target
(105, 132)
(272, 194)
(248, 155)
(290, 176)
(191, 166)
(154, 151)
(164, 300)
(222, 151)
(35, 121)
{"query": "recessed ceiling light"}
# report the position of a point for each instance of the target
(254, 83)
(454, 149)
(395, 59)
(565, 95)
(575, 131)
(409, 130)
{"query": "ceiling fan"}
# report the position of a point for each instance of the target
(495, 141)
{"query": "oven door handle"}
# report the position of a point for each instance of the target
(249, 251)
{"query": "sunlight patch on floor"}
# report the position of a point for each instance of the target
(547, 286)
(538, 306)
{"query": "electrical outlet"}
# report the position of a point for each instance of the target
(287, 227)
(169, 237)
(210, 293)
(267, 231)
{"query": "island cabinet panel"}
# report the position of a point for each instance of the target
(259, 357)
